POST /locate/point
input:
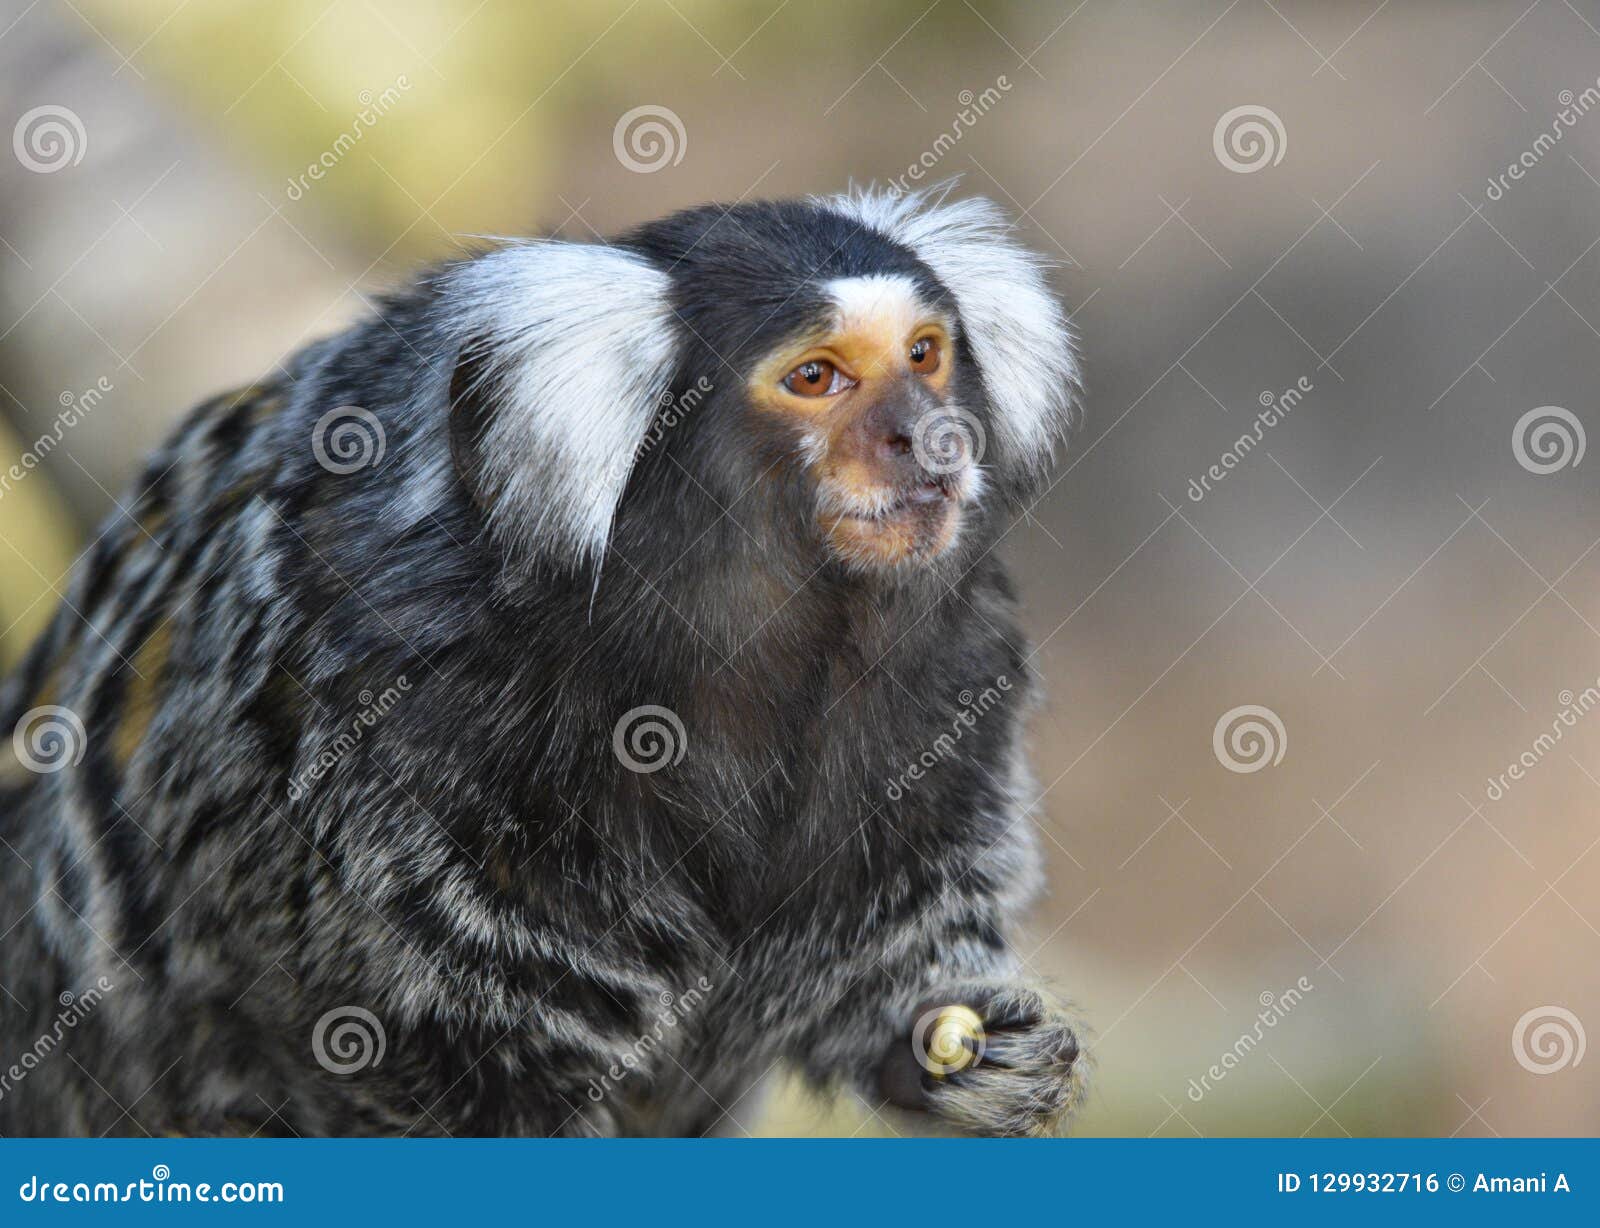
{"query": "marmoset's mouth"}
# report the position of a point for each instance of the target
(932, 496)
(918, 523)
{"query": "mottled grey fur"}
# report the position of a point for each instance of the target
(351, 739)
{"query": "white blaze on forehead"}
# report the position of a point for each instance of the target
(887, 301)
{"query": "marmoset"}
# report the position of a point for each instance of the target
(549, 705)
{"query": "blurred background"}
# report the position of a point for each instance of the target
(1396, 578)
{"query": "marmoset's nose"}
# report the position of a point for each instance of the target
(895, 443)
(887, 430)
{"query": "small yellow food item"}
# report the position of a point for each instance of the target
(953, 1041)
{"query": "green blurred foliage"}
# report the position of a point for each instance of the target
(283, 79)
(35, 550)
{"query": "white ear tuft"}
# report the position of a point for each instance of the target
(1021, 337)
(572, 346)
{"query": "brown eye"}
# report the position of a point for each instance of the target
(816, 378)
(925, 356)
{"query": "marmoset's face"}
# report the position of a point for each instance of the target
(868, 397)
